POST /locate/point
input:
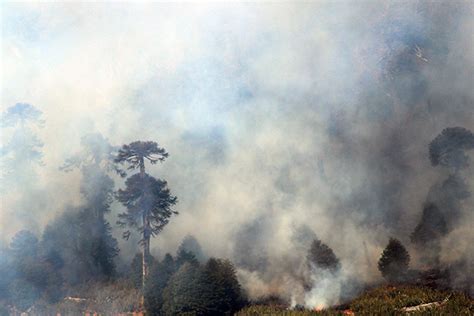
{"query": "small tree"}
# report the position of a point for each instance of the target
(225, 292)
(393, 264)
(136, 267)
(321, 256)
(158, 278)
(211, 289)
(191, 245)
(428, 233)
(431, 227)
(186, 292)
(183, 256)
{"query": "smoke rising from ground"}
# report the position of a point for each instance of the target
(275, 116)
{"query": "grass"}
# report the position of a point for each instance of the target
(385, 300)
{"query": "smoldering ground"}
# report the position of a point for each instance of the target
(275, 116)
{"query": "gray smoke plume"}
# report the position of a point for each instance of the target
(276, 117)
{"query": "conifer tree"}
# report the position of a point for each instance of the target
(321, 256)
(148, 200)
(393, 263)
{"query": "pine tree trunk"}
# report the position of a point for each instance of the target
(146, 243)
(146, 250)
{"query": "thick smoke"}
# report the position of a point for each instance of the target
(276, 117)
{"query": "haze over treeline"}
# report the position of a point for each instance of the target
(284, 123)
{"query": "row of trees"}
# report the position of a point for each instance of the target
(442, 209)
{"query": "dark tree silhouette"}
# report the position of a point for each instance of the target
(136, 267)
(321, 256)
(148, 200)
(186, 292)
(95, 160)
(160, 273)
(137, 152)
(447, 149)
(431, 227)
(393, 263)
(211, 289)
(191, 244)
(80, 246)
(226, 295)
(428, 232)
(183, 256)
(34, 276)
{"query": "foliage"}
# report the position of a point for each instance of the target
(186, 292)
(184, 256)
(23, 150)
(79, 242)
(393, 263)
(321, 256)
(20, 113)
(191, 245)
(226, 294)
(447, 149)
(145, 196)
(136, 268)
(27, 276)
(432, 226)
(95, 151)
(135, 153)
(160, 273)
(23, 294)
(82, 245)
(212, 289)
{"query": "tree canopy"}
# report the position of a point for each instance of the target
(321, 256)
(447, 149)
(394, 261)
(146, 196)
(136, 152)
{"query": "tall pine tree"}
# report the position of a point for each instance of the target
(148, 200)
